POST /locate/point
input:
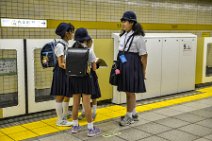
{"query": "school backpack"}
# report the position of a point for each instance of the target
(77, 60)
(47, 54)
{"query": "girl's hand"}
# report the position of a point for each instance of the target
(144, 75)
(64, 67)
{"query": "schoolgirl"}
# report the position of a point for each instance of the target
(132, 58)
(59, 82)
(82, 86)
(96, 93)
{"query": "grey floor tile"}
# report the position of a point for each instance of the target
(153, 128)
(208, 137)
(101, 138)
(176, 135)
(208, 109)
(182, 108)
(82, 135)
(206, 101)
(203, 113)
(153, 138)
(111, 126)
(151, 116)
(133, 134)
(196, 130)
(206, 123)
(60, 137)
(140, 122)
(197, 105)
(189, 117)
(201, 139)
(172, 122)
(168, 112)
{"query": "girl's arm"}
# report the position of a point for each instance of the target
(61, 63)
(144, 63)
(93, 66)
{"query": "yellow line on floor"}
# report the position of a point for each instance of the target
(47, 126)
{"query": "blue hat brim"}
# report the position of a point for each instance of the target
(127, 19)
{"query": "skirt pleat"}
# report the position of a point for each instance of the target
(79, 85)
(96, 92)
(131, 78)
(59, 83)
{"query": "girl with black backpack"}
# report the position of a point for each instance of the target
(82, 85)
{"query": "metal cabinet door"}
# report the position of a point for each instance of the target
(153, 72)
(170, 66)
(187, 64)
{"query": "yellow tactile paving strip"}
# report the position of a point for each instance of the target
(47, 126)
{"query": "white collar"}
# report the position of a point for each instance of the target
(129, 33)
(63, 41)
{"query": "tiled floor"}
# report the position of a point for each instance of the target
(185, 118)
(185, 122)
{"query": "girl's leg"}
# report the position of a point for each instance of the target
(94, 107)
(92, 131)
(131, 103)
(65, 106)
(87, 107)
(76, 101)
(82, 115)
(59, 107)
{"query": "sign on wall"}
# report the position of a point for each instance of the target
(8, 66)
(5, 22)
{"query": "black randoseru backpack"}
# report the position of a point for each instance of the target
(77, 60)
(47, 54)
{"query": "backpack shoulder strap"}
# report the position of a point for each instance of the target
(61, 43)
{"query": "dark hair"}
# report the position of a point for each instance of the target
(71, 28)
(137, 28)
(62, 28)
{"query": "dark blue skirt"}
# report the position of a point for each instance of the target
(96, 93)
(79, 85)
(59, 82)
(131, 78)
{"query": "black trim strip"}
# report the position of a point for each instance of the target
(26, 77)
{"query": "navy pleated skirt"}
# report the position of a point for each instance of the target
(79, 85)
(96, 93)
(59, 82)
(131, 78)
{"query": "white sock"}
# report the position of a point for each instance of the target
(59, 110)
(94, 109)
(65, 108)
(129, 114)
(90, 125)
(75, 123)
(134, 112)
(83, 109)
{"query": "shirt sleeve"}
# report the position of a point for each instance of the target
(92, 56)
(59, 50)
(141, 46)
